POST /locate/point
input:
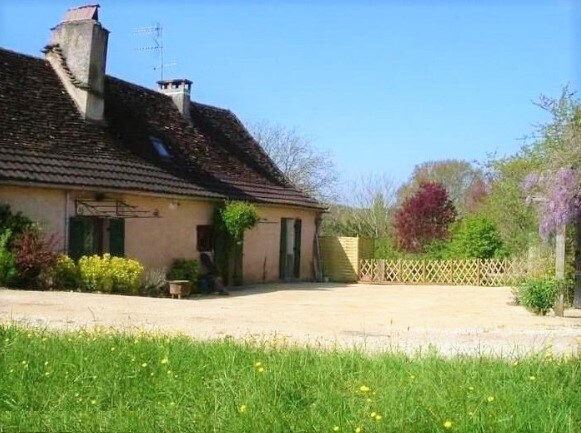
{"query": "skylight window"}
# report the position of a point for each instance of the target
(160, 147)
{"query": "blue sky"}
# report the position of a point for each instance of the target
(382, 85)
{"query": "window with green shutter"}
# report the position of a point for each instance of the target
(117, 237)
(87, 236)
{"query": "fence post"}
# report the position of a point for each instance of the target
(382, 269)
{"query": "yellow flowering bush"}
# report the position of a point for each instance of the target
(110, 274)
(65, 274)
(126, 275)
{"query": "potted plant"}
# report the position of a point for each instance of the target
(182, 277)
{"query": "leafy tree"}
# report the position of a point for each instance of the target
(464, 182)
(239, 216)
(505, 205)
(476, 237)
(231, 221)
(306, 167)
(556, 182)
(424, 217)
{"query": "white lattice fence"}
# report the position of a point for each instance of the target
(489, 272)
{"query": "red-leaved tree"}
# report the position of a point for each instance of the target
(424, 217)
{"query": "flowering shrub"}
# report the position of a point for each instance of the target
(65, 274)
(110, 274)
(125, 275)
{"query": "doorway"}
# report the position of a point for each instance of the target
(290, 249)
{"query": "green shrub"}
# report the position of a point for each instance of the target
(538, 294)
(8, 270)
(184, 269)
(15, 222)
(239, 216)
(475, 237)
(65, 274)
(110, 274)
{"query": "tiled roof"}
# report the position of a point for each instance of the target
(44, 139)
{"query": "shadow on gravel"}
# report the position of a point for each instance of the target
(258, 289)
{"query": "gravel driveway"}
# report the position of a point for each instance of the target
(453, 320)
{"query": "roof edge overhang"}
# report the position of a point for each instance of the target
(63, 187)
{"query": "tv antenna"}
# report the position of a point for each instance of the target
(155, 32)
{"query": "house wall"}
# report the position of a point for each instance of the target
(262, 244)
(155, 242)
(46, 207)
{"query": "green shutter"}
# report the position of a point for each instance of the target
(76, 237)
(282, 256)
(297, 249)
(117, 237)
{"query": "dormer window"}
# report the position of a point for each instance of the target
(159, 147)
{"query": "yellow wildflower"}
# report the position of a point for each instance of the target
(242, 409)
(490, 399)
(532, 378)
(144, 364)
(257, 364)
(164, 360)
(336, 428)
(261, 369)
(373, 414)
(358, 430)
(378, 417)
(364, 388)
(448, 424)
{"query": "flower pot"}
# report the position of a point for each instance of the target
(179, 288)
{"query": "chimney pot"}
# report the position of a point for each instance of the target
(179, 91)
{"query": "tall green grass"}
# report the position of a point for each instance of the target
(115, 382)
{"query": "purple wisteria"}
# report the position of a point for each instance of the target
(558, 196)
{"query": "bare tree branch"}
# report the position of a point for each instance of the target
(309, 169)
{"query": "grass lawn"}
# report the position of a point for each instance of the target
(119, 382)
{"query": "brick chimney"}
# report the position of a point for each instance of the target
(179, 91)
(78, 53)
